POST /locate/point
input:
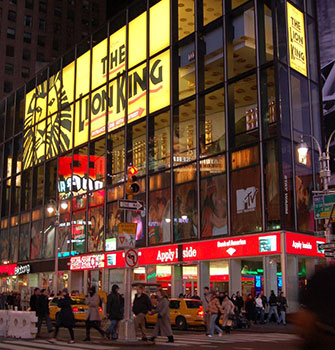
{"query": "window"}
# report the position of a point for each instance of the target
(9, 68)
(212, 10)
(10, 33)
(29, 4)
(40, 57)
(25, 72)
(28, 21)
(8, 86)
(10, 51)
(42, 25)
(26, 54)
(174, 304)
(27, 37)
(57, 28)
(41, 40)
(12, 16)
(42, 7)
(55, 44)
(58, 11)
(185, 18)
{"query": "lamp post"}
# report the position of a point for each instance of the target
(53, 208)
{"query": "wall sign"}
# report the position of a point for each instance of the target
(8, 269)
(22, 269)
(296, 36)
(87, 262)
(299, 244)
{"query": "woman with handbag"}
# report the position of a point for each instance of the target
(213, 309)
(228, 313)
(163, 325)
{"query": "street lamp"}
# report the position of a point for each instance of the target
(53, 208)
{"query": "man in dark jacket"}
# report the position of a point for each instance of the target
(142, 305)
(42, 311)
(33, 299)
(114, 310)
(273, 307)
(282, 306)
(239, 302)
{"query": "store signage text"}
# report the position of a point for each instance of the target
(87, 262)
(8, 269)
(22, 269)
(304, 245)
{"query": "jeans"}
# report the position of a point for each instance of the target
(112, 329)
(273, 310)
(47, 321)
(282, 317)
(213, 325)
(70, 331)
(260, 311)
(95, 325)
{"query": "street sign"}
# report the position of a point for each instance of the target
(327, 246)
(125, 240)
(131, 258)
(323, 205)
(129, 204)
(127, 227)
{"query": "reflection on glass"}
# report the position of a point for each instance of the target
(185, 18)
(13, 244)
(49, 238)
(64, 235)
(116, 157)
(186, 71)
(80, 181)
(78, 238)
(138, 150)
(4, 244)
(267, 27)
(212, 10)
(115, 217)
(268, 96)
(38, 186)
(96, 165)
(24, 243)
(236, 3)
(96, 229)
(36, 240)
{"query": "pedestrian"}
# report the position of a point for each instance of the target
(141, 306)
(250, 308)
(282, 306)
(33, 299)
(264, 300)
(17, 301)
(114, 311)
(259, 308)
(42, 312)
(163, 325)
(239, 302)
(2, 301)
(273, 307)
(195, 296)
(228, 313)
(213, 309)
(93, 319)
(205, 301)
(65, 317)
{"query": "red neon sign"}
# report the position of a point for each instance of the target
(299, 244)
(8, 269)
(158, 255)
(87, 262)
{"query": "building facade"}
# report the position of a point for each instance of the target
(208, 99)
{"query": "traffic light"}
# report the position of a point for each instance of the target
(132, 186)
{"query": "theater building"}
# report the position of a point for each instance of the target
(208, 99)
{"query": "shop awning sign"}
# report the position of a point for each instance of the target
(22, 269)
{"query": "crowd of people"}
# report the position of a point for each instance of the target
(10, 301)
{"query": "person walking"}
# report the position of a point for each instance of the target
(42, 312)
(141, 306)
(250, 308)
(259, 308)
(228, 313)
(205, 300)
(239, 302)
(213, 309)
(33, 299)
(282, 306)
(93, 319)
(273, 307)
(65, 317)
(163, 325)
(114, 311)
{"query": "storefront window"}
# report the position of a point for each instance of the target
(185, 18)
(244, 111)
(184, 133)
(159, 142)
(24, 243)
(219, 276)
(186, 71)
(212, 123)
(213, 197)
(212, 10)
(79, 232)
(241, 48)
(116, 157)
(185, 203)
(49, 238)
(159, 225)
(38, 186)
(36, 240)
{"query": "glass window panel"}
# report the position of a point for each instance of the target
(4, 245)
(68, 83)
(312, 51)
(5, 197)
(2, 120)
(18, 154)
(55, 92)
(185, 18)
(36, 240)
(26, 190)
(79, 232)
(269, 107)
(159, 225)
(233, 4)
(13, 244)
(213, 197)
(65, 119)
(64, 234)
(39, 142)
(52, 137)
(48, 249)
(19, 111)
(99, 59)
(8, 161)
(97, 165)
(186, 71)
(184, 133)
(83, 71)
(316, 111)
(80, 171)
(116, 110)
(244, 158)
(117, 56)
(96, 229)
(1, 163)
(266, 36)
(115, 192)
(24, 242)
(185, 215)
(137, 40)
(64, 181)
(38, 186)
(212, 123)
(212, 10)
(159, 141)
(241, 48)
(50, 180)
(15, 198)
(159, 18)
(244, 111)
(9, 116)
(116, 157)
(81, 122)
(115, 216)
(100, 100)
(137, 142)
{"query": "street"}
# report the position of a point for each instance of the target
(238, 340)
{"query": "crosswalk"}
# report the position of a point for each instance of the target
(184, 340)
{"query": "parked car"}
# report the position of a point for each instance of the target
(183, 313)
(79, 308)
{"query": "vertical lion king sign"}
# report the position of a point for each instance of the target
(297, 41)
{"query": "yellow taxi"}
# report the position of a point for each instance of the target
(79, 308)
(183, 313)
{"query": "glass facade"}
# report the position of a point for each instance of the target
(199, 95)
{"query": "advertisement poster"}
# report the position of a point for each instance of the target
(96, 229)
(36, 240)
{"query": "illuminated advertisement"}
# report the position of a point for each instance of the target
(299, 244)
(87, 262)
(297, 43)
(50, 113)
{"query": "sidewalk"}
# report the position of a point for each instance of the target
(269, 328)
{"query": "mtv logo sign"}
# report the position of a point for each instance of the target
(246, 200)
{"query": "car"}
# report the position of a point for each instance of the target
(79, 308)
(183, 313)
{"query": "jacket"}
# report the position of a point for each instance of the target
(141, 304)
(42, 306)
(163, 325)
(65, 317)
(282, 304)
(114, 306)
(205, 301)
(239, 302)
(214, 306)
(259, 303)
(93, 303)
(32, 303)
(273, 300)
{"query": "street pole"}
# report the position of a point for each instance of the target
(55, 286)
